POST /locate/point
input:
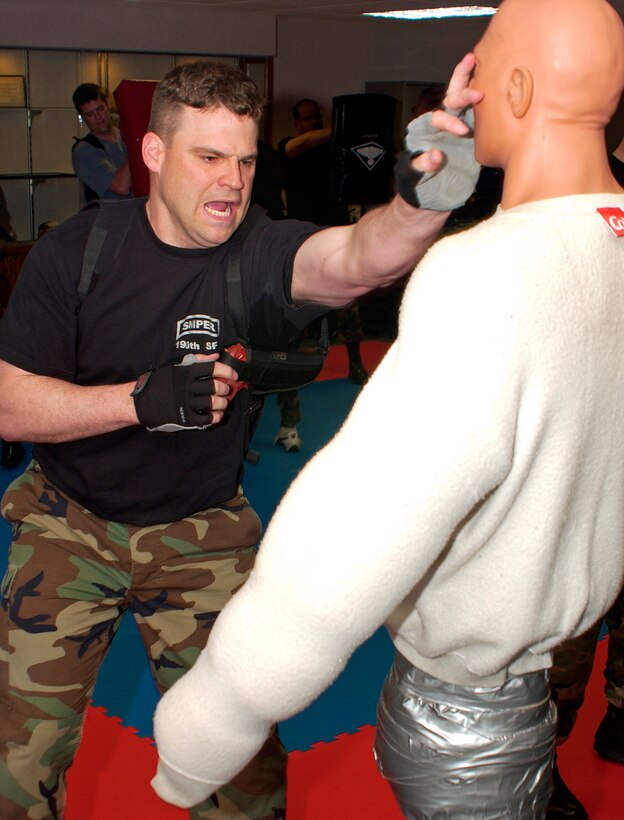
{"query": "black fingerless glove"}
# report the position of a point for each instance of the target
(175, 397)
(407, 178)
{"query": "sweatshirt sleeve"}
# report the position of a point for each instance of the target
(429, 437)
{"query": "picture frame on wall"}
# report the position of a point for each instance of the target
(12, 91)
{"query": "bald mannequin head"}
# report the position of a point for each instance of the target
(552, 73)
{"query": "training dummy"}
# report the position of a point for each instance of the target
(497, 529)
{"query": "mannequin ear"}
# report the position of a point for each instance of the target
(520, 93)
(152, 149)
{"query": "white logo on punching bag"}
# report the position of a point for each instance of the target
(369, 153)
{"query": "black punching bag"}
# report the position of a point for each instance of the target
(363, 148)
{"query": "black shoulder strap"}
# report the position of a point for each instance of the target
(234, 295)
(235, 300)
(104, 240)
(91, 139)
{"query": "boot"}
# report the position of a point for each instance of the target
(12, 453)
(563, 804)
(609, 737)
(357, 373)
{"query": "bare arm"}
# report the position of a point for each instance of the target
(40, 408)
(302, 143)
(337, 265)
(121, 183)
(44, 409)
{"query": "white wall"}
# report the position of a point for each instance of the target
(144, 25)
(322, 59)
(313, 58)
(316, 58)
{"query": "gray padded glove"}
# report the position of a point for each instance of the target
(452, 185)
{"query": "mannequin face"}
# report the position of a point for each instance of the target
(545, 62)
(487, 78)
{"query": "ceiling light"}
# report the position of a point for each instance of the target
(429, 14)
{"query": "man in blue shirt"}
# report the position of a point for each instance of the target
(100, 159)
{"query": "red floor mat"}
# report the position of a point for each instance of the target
(333, 781)
(337, 362)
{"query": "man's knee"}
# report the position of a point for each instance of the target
(34, 756)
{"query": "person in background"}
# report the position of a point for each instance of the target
(306, 164)
(572, 666)
(429, 99)
(268, 192)
(100, 159)
(306, 168)
(133, 502)
(496, 530)
(616, 161)
(7, 231)
(11, 452)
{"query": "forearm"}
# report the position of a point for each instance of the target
(42, 409)
(121, 183)
(304, 142)
(339, 264)
(388, 243)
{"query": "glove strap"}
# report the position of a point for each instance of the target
(407, 177)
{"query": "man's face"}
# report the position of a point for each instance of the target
(310, 118)
(202, 177)
(97, 116)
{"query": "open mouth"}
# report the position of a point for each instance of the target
(221, 210)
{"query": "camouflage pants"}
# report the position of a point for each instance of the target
(572, 667)
(71, 577)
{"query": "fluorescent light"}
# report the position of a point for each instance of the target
(428, 14)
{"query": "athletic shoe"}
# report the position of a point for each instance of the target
(288, 438)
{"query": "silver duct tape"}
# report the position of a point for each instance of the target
(458, 753)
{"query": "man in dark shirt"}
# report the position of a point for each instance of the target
(133, 499)
(100, 159)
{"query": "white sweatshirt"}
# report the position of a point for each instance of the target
(473, 500)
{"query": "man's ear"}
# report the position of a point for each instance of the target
(153, 149)
(520, 92)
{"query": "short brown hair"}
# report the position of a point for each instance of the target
(85, 93)
(203, 84)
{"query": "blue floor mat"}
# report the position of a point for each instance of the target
(351, 701)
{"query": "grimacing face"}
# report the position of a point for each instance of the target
(203, 176)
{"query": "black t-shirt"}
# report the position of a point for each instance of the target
(155, 304)
(308, 185)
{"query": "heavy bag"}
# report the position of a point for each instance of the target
(363, 148)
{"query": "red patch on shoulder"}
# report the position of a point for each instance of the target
(614, 217)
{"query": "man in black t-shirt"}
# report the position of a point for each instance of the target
(133, 500)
